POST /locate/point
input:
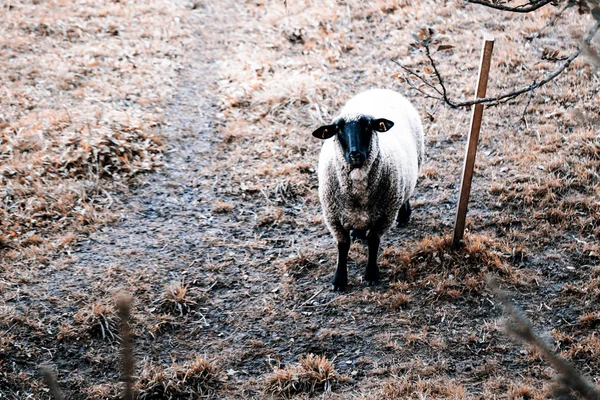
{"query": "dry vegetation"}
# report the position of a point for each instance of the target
(230, 258)
(84, 85)
(311, 375)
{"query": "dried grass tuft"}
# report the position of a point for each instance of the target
(99, 320)
(451, 271)
(414, 387)
(176, 299)
(195, 379)
(313, 374)
(222, 207)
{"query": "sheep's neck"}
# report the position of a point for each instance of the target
(360, 179)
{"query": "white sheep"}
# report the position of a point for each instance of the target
(368, 169)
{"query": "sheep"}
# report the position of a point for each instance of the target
(368, 167)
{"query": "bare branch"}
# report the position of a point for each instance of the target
(514, 93)
(522, 329)
(50, 380)
(124, 306)
(523, 114)
(523, 8)
(412, 73)
(437, 74)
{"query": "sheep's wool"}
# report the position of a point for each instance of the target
(359, 182)
(369, 197)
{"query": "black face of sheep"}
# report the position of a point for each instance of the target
(354, 136)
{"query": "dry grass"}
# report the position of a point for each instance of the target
(450, 272)
(85, 85)
(177, 299)
(97, 319)
(413, 387)
(313, 374)
(194, 379)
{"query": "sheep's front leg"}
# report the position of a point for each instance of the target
(372, 272)
(340, 279)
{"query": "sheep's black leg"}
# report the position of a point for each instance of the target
(404, 214)
(372, 272)
(340, 279)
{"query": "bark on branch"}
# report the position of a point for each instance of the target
(523, 8)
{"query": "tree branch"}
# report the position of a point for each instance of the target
(504, 97)
(437, 74)
(522, 329)
(523, 8)
(413, 73)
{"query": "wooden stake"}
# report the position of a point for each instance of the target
(469, 165)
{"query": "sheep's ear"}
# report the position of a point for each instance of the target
(324, 132)
(381, 125)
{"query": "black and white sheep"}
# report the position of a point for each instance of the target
(368, 169)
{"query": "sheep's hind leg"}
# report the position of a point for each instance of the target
(340, 279)
(372, 272)
(404, 214)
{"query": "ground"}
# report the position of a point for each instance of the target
(164, 152)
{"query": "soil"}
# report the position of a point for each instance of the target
(253, 264)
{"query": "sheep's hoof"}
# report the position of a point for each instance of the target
(337, 288)
(339, 285)
(371, 278)
(372, 282)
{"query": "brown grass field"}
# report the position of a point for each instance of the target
(163, 150)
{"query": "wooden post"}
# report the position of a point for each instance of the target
(467, 177)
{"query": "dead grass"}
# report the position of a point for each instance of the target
(221, 207)
(413, 387)
(197, 378)
(97, 319)
(449, 272)
(86, 85)
(177, 299)
(313, 374)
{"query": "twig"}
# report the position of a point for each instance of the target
(522, 329)
(523, 119)
(124, 306)
(437, 74)
(324, 304)
(411, 72)
(512, 94)
(50, 380)
(311, 297)
(523, 8)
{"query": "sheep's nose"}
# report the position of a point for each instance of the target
(356, 159)
(355, 155)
